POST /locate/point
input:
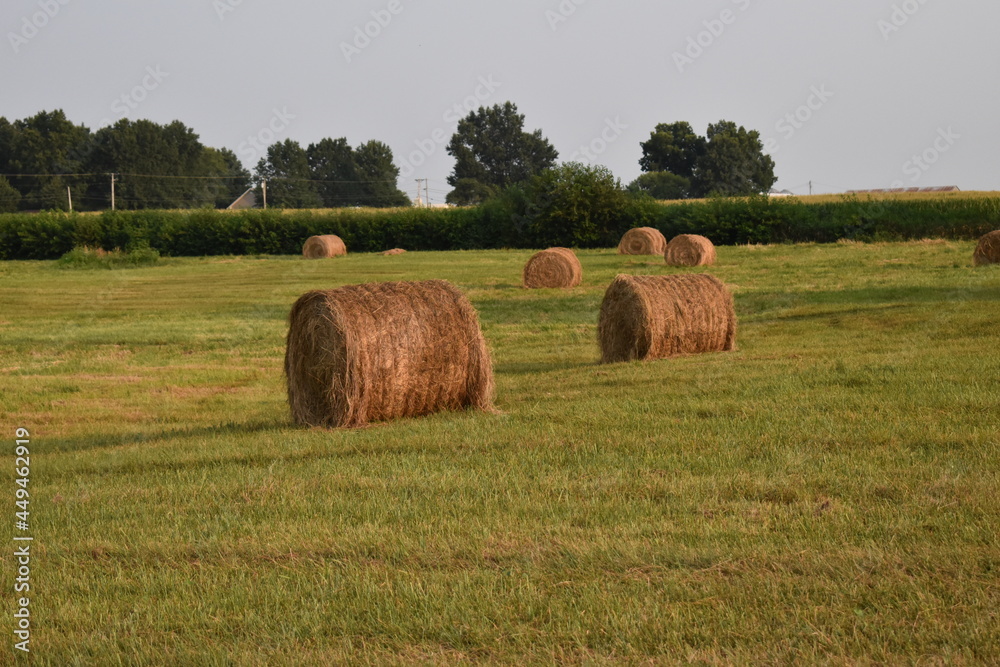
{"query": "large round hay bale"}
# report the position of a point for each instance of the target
(394, 251)
(555, 267)
(321, 247)
(383, 351)
(654, 317)
(690, 250)
(642, 241)
(988, 250)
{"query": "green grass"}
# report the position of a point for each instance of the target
(83, 257)
(826, 492)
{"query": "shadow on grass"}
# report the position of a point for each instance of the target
(534, 368)
(91, 442)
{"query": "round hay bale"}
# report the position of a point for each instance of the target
(690, 250)
(321, 247)
(988, 250)
(642, 241)
(655, 317)
(383, 351)
(394, 251)
(555, 267)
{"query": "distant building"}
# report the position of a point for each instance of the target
(246, 200)
(780, 193)
(881, 191)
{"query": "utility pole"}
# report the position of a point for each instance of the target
(419, 181)
(112, 192)
(263, 187)
(69, 198)
(427, 192)
(810, 187)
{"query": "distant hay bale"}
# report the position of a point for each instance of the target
(555, 267)
(321, 247)
(654, 317)
(690, 250)
(988, 250)
(642, 241)
(394, 251)
(383, 351)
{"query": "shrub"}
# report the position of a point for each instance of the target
(83, 257)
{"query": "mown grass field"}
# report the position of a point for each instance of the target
(828, 492)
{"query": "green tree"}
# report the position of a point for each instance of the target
(52, 196)
(9, 196)
(378, 174)
(491, 147)
(573, 203)
(661, 185)
(289, 178)
(155, 165)
(331, 162)
(227, 178)
(673, 147)
(728, 161)
(470, 192)
(734, 163)
(40, 148)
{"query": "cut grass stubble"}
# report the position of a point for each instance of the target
(826, 491)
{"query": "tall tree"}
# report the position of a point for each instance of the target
(378, 174)
(331, 162)
(734, 163)
(491, 148)
(729, 161)
(289, 179)
(673, 147)
(156, 164)
(39, 149)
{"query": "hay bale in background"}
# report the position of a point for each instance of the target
(988, 250)
(321, 247)
(642, 241)
(555, 267)
(382, 351)
(654, 317)
(394, 251)
(690, 250)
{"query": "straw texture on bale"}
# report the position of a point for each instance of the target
(394, 251)
(321, 247)
(988, 250)
(642, 241)
(383, 351)
(690, 250)
(555, 267)
(655, 317)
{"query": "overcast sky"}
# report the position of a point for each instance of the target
(887, 81)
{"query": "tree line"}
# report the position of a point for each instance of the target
(167, 166)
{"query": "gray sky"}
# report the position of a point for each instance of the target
(888, 80)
